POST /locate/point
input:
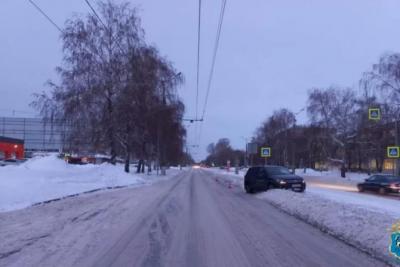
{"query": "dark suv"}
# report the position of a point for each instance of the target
(266, 177)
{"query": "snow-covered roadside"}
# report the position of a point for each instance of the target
(332, 177)
(236, 179)
(351, 176)
(366, 229)
(360, 220)
(45, 178)
(368, 201)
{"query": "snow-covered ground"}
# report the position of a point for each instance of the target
(45, 178)
(230, 175)
(359, 219)
(332, 177)
(332, 173)
(357, 224)
(369, 201)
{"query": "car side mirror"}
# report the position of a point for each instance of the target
(367, 180)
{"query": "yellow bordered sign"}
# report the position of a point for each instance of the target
(393, 151)
(374, 114)
(265, 152)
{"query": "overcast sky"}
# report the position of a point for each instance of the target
(271, 53)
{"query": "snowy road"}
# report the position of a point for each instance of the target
(190, 220)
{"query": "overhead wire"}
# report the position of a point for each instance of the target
(211, 74)
(46, 16)
(104, 25)
(216, 45)
(198, 69)
(198, 58)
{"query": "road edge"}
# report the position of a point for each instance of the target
(326, 230)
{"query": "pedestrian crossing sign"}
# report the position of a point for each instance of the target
(265, 152)
(393, 152)
(374, 114)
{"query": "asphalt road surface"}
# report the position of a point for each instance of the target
(190, 220)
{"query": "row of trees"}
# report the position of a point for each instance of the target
(340, 130)
(222, 152)
(116, 93)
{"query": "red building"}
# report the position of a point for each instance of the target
(12, 148)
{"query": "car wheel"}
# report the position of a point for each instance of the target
(360, 188)
(382, 191)
(269, 186)
(248, 189)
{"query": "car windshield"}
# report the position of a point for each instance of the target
(277, 170)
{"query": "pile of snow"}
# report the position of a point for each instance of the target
(365, 228)
(45, 178)
(333, 175)
(367, 201)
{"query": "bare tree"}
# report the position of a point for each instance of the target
(335, 110)
(116, 92)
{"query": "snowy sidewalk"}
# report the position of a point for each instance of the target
(45, 178)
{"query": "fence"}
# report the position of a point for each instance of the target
(38, 134)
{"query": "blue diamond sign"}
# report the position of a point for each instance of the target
(265, 152)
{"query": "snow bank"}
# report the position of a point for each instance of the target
(334, 176)
(361, 227)
(367, 201)
(44, 178)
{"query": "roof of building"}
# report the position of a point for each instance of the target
(4, 139)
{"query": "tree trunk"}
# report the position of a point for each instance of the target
(139, 167)
(127, 159)
(142, 167)
(111, 130)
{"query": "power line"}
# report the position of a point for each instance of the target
(198, 69)
(216, 45)
(95, 13)
(198, 58)
(46, 16)
(104, 25)
(214, 57)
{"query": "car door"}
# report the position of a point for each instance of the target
(374, 183)
(250, 177)
(261, 178)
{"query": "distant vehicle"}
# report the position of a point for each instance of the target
(267, 177)
(381, 183)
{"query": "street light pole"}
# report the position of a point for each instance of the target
(246, 152)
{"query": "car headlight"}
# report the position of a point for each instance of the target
(282, 182)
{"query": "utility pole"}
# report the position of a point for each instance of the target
(246, 151)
